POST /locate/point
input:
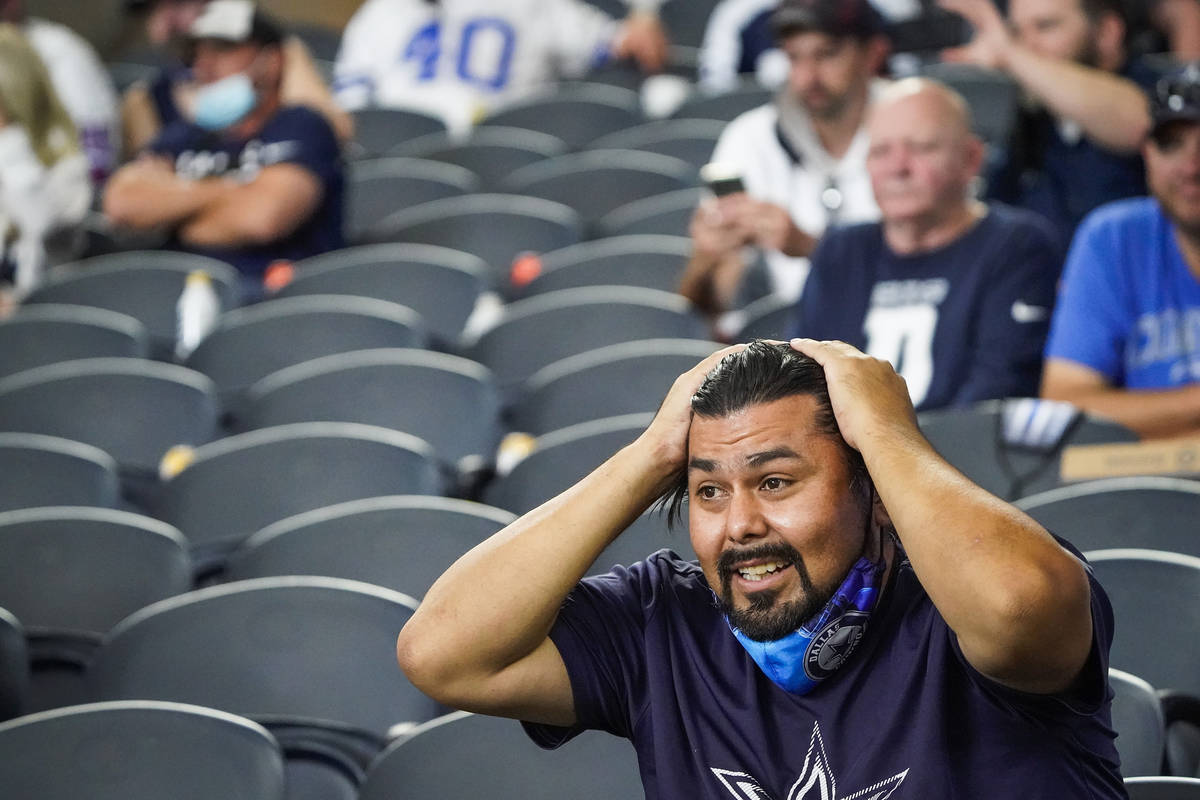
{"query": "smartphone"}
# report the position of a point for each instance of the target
(722, 178)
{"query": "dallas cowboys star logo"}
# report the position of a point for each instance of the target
(816, 781)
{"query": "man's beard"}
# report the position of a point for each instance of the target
(766, 619)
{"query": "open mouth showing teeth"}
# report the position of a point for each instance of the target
(759, 571)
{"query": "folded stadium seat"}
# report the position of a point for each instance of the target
(70, 574)
(576, 113)
(1012, 447)
(49, 471)
(238, 485)
(626, 378)
(449, 402)
(652, 262)
(1163, 788)
(143, 284)
(770, 317)
(561, 458)
(378, 187)
(310, 658)
(669, 214)
(250, 343)
(14, 668)
(38, 335)
(440, 284)
(490, 152)
(403, 542)
(504, 764)
(132, 409)
(378, 130)
(538, 331)
(1137, 718)
(501, 229)
(690, 140)
(596, 182)
(1155, 598)
(139, 750)
(1147, 511)
(724, 106)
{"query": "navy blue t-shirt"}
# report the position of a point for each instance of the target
(1064, 180)
(295, 135)
(650, 658)
(963, 323)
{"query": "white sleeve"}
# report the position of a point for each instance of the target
(721, 49)
(365, 41)
(651, 6)
(582, 36)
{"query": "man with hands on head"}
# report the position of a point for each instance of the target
(860, 613)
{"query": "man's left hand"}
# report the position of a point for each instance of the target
(772, 229)
(992, 41)
(869, 398)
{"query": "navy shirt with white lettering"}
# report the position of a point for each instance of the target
(294, 135)
(650, 658)
(962, 323)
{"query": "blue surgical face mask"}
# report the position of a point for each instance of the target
(811, 653)
(224, 103)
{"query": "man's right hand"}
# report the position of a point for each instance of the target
(719, 226)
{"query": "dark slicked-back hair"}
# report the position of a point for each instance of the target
(762, 373)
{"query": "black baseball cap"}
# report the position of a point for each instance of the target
(1176, 97)
(856, 19)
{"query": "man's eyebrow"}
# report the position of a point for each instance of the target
(758, 459)
(702, 464)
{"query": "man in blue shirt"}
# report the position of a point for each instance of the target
(1077, 147)
(1125, 340)
(247, 179)
(954, 293)
(862, 621)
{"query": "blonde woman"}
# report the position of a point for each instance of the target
(45, 189)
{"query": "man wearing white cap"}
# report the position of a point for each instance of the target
(246, 179)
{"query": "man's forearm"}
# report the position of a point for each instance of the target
(1150, 414)
(144, 201)
(710, 282)
(1111, 110)
(496, 604)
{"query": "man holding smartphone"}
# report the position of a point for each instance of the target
(801, 159)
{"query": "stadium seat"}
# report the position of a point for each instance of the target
(379, 187)
(1147, 511)
(770, 317)
(70, 574)
(132, 409)
(627, 378)
(498, 228)
(14, 667)
(243, 483)
(311, 658)
(250, 343)
(596, 182)
(667, 214)
(440, 284)
(690, 140)
(652, 262)
(575, 113)
(46, 334)
(54, 471)
(403, 543)
(142, 284)
(974, 440)
(538, 331)
(1156, 599)
(503, 764)
(449, 402)
(492, 153)
(560, 459)
(686, 22)
(138, 750)
(1163, 788)
(378, 130)
(1137, 718)
(647, 535)
(724, 106)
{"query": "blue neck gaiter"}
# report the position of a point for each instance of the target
(810, 654)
